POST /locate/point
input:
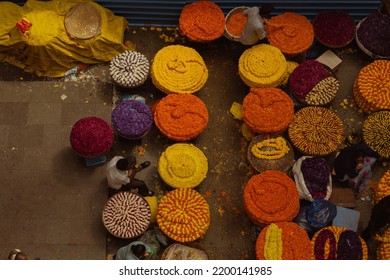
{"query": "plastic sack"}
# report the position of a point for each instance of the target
(182, 252)
(301, 219)
(321, 213)
(304, 193)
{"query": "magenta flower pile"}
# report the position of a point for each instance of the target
(132, 119)
(316, 171)
(91, 137)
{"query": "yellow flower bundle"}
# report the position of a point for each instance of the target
(267, 110)
(262, 66)
(383, 188)
(338, 243)
(183, 165)
(383, 249)
(372, 87)
(273, 148)
(316, 131)
(290, 32)
(376, 132)
(183, 215)
(283, 241)
(178, 69)
(291, 65)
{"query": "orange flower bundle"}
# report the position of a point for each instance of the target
(202, 21)
(372, 87)
(376, 132)
(283, 241)
(290, 32)
(338, 243)
(271, 197)
(383, 249)
(267, 110)
(181, 117)
(383, 188)
(183, 215)
(236, 22)
(316, 131)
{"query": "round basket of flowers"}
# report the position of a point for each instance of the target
(202, 21)
(129, 69)
(267, 110)
(334, 29)
(271, 197)
(371, 87)
(235, 23)
(376, 132)
(183, 165)
(338, 243)
(291, 65)
(262, 66)
(316, 131)
(290, 32)
(181, 117)
(183, 215)
(91, 137)
(283, 241)
(132, 119)
(178, 69)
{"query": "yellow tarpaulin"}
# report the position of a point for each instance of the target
(46, 48)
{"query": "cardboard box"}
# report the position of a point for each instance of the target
(347, 218)
(330, 59)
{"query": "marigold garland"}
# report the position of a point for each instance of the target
(181, 117)
(262, 66)
(290, 32)
(338, 243)
(178, 69)
(372, 87)
(283, 241)
(183, 166)
(273, 148)
(267, 110)
(383, 249)
(183, 215)
(270, 197)
(202, 21)
(376, 132)
(383, 188)
(316, 131)
(291, 65)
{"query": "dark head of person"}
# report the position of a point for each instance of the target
(125, 163)
(139, 250)
(18, 255)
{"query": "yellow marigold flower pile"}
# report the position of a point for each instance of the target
(178, 69)
(291, 65)
(383, 249)
(183, 215)
(376, 132)
(372, 87)
(267, 110)
(262, 66)
(273, 148)
(183, 166)
(316, 131)
(290, 32)
(283, 241)
(383, 188)
(338, 243)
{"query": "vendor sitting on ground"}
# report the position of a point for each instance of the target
(353, 165)
(121, 172)
(379, 220)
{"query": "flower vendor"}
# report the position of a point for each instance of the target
(379, 220)
(254, 28)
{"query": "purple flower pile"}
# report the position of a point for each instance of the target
(91, 137)
(316, 171)
(349, 246)
(334, 28)
(374, 34)
(132, 119)
(306, 76)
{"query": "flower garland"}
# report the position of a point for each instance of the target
(267, 110)
(202, 21)
(283, 241)
(383, 188)
(236, 22)
(316, 131)
(132, 119)
(372, 87)
(181, 117)
(291, 65)
(290, 32)
(275, 148)
(338, 243)
(183, 215)
(270, 197)
(323, 92)
(376, 132)
(178, 69)
(383, 249)
(183, 166)
(262, 66)
(91, 137)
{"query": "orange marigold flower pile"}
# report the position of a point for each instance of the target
(181, 117)
(202, 21)
(376, 134)
(271, 197)
(183, 215)
(236, 22)
(383, 249)
(383, 188)
(283, 241)
(267, 110)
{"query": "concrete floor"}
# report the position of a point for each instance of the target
(51, 203)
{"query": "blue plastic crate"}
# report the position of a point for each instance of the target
(93, 162)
